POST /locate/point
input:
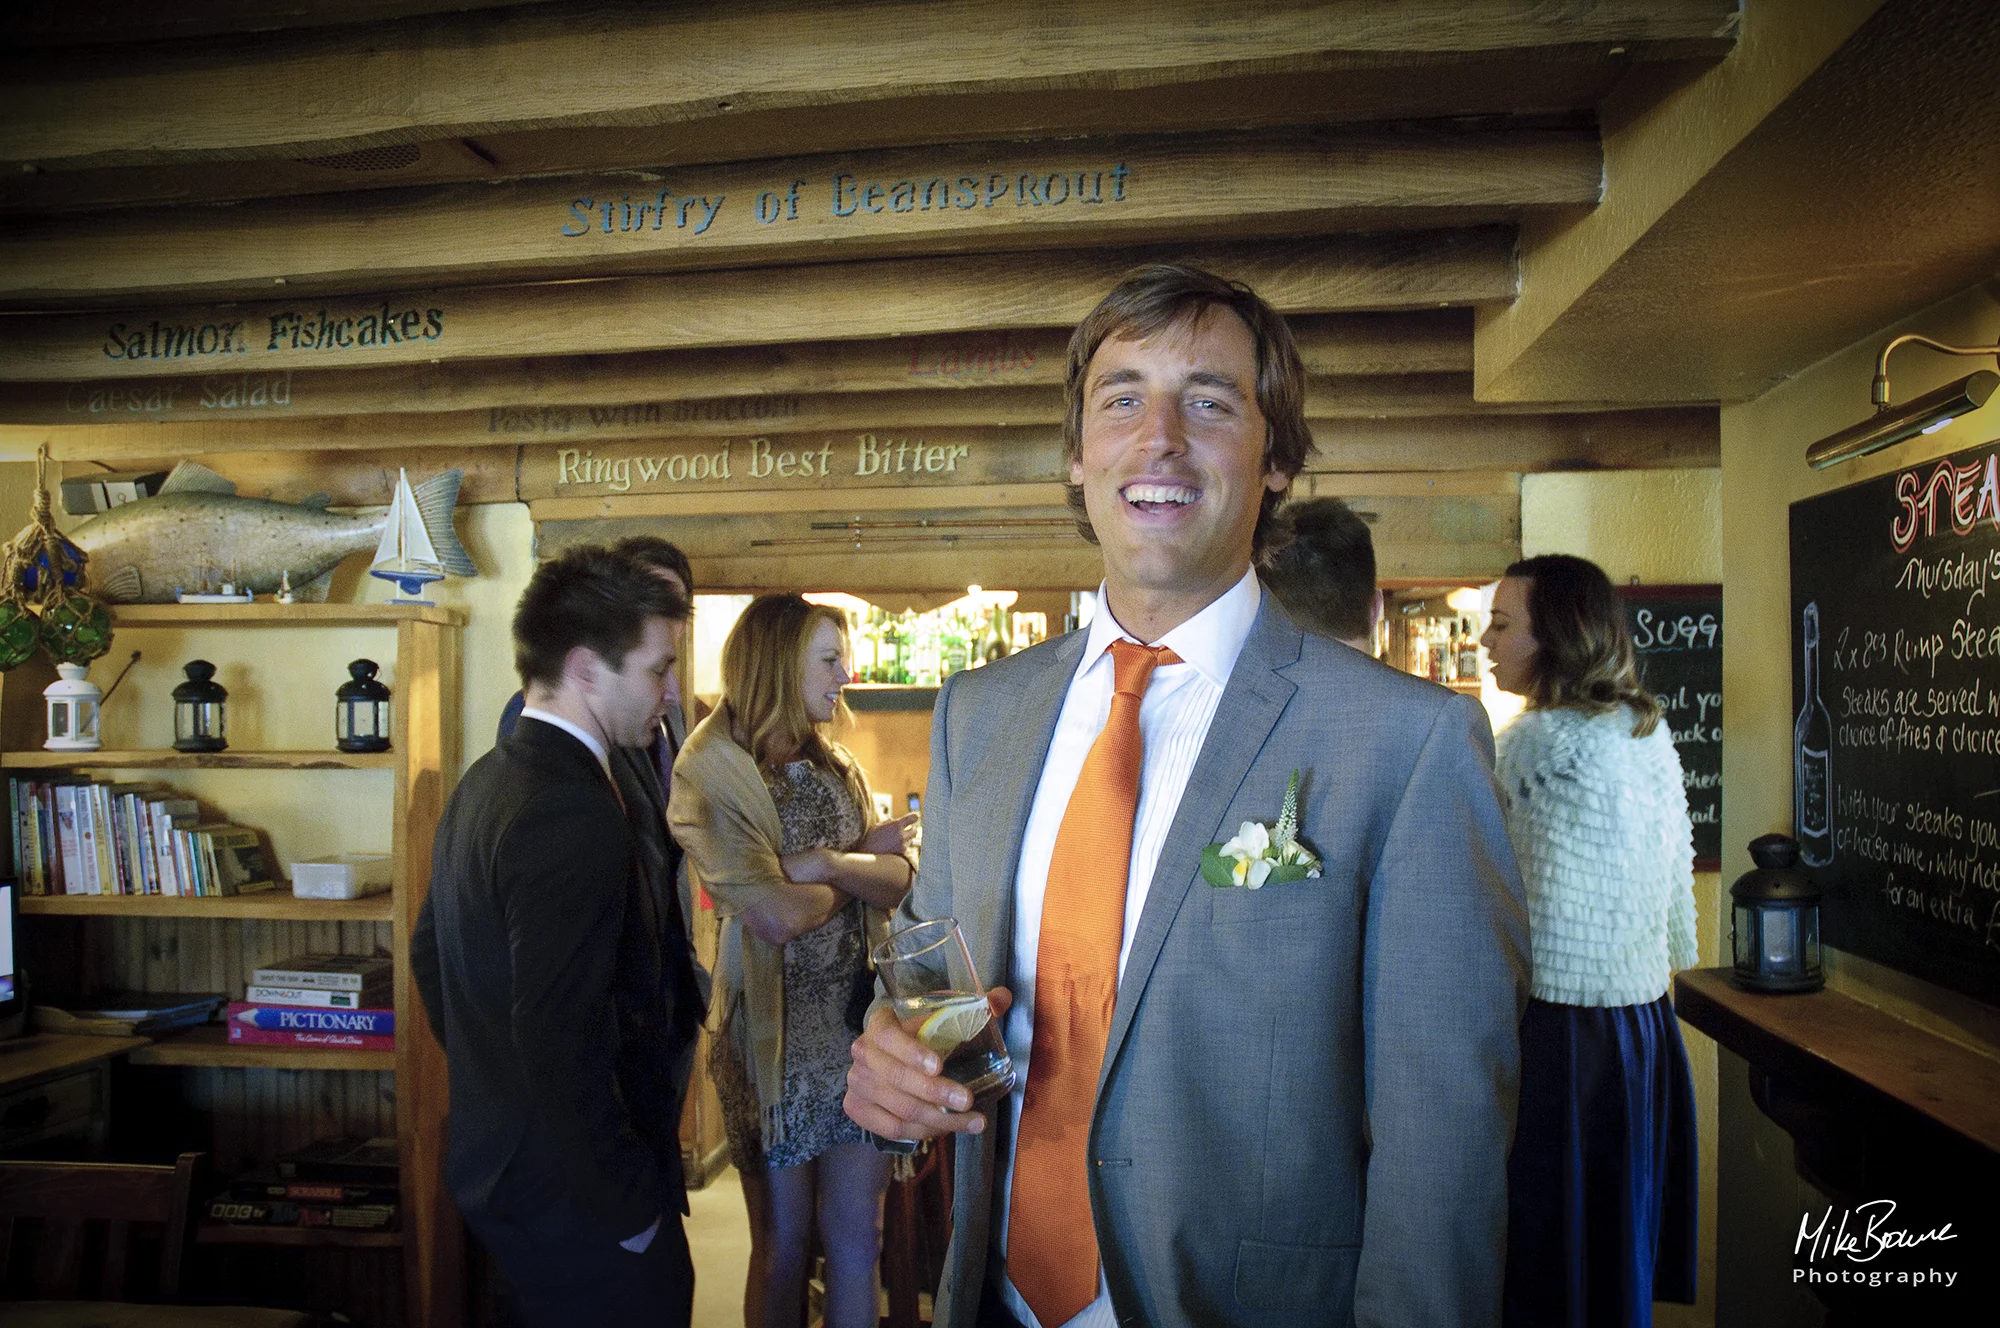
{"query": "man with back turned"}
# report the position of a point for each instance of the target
(1273, 1107)
(1322, 569)
(554, 965)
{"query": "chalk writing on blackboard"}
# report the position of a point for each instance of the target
(1677, 631)
(1896, 745)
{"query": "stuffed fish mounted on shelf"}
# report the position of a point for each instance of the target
(196, 532)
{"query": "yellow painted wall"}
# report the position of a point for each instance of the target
(1764, 471)
(1662, 527)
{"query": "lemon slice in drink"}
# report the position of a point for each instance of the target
(949, 1025)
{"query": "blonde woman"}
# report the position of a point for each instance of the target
(777, 822)
(1601, 1182)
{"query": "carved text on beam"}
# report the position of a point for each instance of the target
(761, 463)
(927, 361)
(669, 214)
(342, 328)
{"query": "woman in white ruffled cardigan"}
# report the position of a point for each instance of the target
(1602, 1177)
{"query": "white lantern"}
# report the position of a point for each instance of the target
(73, 708)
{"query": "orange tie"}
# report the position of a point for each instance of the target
(1051, 1244)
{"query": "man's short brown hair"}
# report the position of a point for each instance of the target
(1322, 568)
(1160, 295)
(588, 596)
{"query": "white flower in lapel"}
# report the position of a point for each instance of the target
(1258, 853)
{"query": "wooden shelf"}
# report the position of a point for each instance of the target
(40, 1054)
(168, 759)
(1822, 1034)
(209, 1046)
(223, 1233)
(281, 615)
(271, 905)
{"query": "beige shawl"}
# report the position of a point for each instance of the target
(722, 815)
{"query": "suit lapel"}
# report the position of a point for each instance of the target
(1251, 703)
(1024, 723)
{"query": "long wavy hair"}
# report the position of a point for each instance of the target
(1584, 658)
(763, 687)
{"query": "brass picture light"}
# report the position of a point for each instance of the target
(1927, 414)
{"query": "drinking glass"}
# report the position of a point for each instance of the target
(936, 994)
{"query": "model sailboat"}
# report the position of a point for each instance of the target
(406, 555)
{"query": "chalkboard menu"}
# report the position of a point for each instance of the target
(1678, 632)
(1896, 744)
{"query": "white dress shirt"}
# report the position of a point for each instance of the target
(1174, 717)
(588, 739)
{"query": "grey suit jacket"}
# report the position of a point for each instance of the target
(1308, 1095)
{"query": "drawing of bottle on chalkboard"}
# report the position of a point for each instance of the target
(1812, 759)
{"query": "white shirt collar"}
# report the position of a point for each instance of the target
(1210, 641)
(587, 739)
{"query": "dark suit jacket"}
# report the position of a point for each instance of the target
(556, 972)
(657, 757)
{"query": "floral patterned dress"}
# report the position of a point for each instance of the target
(822, 968)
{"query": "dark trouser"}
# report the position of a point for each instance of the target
(564, 1284)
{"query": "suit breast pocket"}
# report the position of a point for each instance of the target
(1314, 900)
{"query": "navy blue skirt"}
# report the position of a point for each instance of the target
(1602, 1182)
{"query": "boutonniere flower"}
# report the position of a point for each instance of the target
(1261, 853)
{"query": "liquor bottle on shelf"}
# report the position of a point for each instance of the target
(1468, 654)
(952, 646)
(1812, 758)
(1438, 653)
(995, 641)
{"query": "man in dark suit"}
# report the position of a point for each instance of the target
(554, 964)
(657, 753)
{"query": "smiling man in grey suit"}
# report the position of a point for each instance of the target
(1280, 1106)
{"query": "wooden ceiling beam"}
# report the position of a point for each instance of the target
(615, 64)
(958, 198)
(1457, 455)
(31, 24)
(1425, 341)
(1327, 400)
(848, 301)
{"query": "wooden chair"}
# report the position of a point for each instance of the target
(69, 1234)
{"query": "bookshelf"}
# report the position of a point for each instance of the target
(209, 1046)
(274, 905)
(173, 760)
(217, 1233)
(152, 938)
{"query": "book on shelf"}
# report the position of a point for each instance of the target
(126, 1013)
(289, 1213)
(294, 1019)
(83, 495)
(74, 836)
(329, 972)
(265, 1184)
(243, 1035)
(354, 1161)
(376, 995)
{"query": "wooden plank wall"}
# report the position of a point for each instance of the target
(257, 1114)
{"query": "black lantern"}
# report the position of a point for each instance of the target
(1774, 932)
(361, 710)
(201, 721)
